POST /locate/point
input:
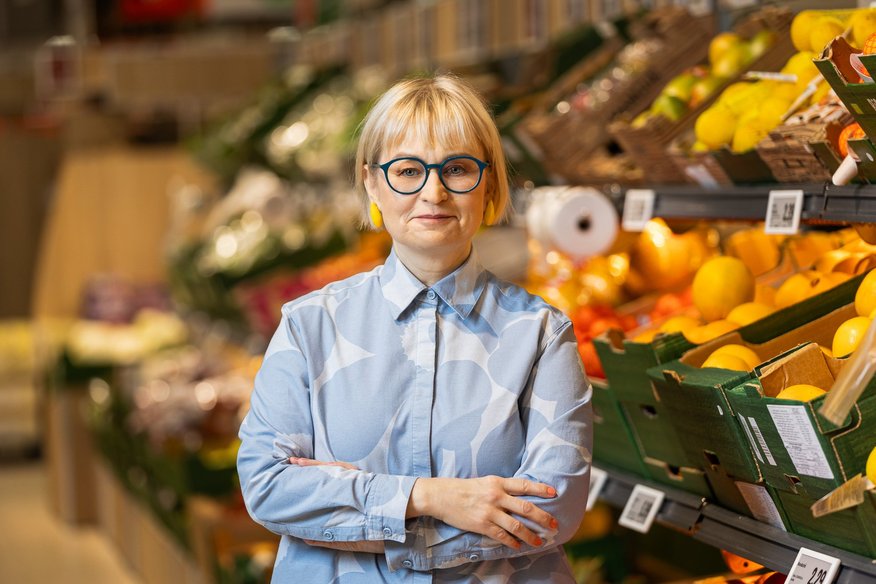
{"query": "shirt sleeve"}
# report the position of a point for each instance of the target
(557, 418)
(323, 503)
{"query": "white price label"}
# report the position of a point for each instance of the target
(812, 567)
(638, 209)
(597, 481)
(641, 508)
(783, 212)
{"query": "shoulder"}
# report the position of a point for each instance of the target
(331, 295)
(516, 301)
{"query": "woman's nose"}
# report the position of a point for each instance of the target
(434, 191)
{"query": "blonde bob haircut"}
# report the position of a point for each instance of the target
(440, 109)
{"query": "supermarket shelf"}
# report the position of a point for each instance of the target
(718, 527)
(822, 202)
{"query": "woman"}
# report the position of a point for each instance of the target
(425, 421)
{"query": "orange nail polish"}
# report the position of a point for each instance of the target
(554, 524)
(538, 542)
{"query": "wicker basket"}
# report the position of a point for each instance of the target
(788, 149)
(647, 144)
(566, 138)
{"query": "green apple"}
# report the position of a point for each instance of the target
(680, 86)
(669, 106)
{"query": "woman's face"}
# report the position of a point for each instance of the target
(433, 220)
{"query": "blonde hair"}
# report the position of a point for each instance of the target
(441, 109)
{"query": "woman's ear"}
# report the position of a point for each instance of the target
(368, 180)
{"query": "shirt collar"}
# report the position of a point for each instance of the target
(459, 289)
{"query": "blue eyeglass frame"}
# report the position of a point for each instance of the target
(438, 166)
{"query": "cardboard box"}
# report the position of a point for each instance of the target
(613, 442)
(802, 452)
(852, 529)
(859, 98)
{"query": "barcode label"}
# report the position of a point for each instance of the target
(597, 481)
(783, 212)
(641, 508)
(760, 440)
(638, 209)
(754, 445)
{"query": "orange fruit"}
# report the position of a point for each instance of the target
(764, 294)
(748, 312)
(801, 392)
(865, 297)
(751, 358)
(645, 337)
(725, 361)
(738, 564)
(848, 335)
(828, 281)
(720, 285)
(851, 132)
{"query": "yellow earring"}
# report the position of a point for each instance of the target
(375, 215)
(490, 214)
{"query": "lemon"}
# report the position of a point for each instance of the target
(848, 335)
(745, 138)
(679, 323)
(801, 392)
(720, 285)
(796, 288)
(827, 352)
(748, 355)
(801, 29)
(773, 109)
(865, 297)
(825, 30)
(715, 127)
(871, 466)
(645, 337)
(707, 332)
(863, 24)
(726, 361)
(732, 62)
(721, 44)
(802, 66)
(748, 312)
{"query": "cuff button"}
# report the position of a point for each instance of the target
(328, 535)
(474, 557)
(387, 531)
(407, 564)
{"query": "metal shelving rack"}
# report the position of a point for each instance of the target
(823, 203)
(767, 545)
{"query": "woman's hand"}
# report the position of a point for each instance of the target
(310, 462)
(484, 505)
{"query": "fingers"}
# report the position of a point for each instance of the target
(508, 526)
(532, 512)
(525, 487)
(310, 462)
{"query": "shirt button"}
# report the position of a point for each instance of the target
(430, 295)
(328, 535)
(474, 557)
(407, 564)
(387, 531)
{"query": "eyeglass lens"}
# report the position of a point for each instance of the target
(459, 175)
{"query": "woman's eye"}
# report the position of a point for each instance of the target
(410, 171)
(454, 170)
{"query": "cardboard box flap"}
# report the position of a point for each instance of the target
(838, 53)
(806, 365)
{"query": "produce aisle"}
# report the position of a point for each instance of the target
(693, 187)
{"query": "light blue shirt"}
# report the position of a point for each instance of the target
(470, 377)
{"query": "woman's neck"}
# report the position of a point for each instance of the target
(430, 267)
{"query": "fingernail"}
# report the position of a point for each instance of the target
(551, 491)
(554, 524)
(538, 542)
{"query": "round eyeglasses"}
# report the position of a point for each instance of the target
(459, 174)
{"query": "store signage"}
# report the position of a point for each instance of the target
(783, 212)
(597, 481)
(813, 567)
(638, 209)
(641, 508)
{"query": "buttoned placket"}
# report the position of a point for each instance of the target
(424, 392)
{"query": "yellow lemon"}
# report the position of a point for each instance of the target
(720, 285)
(801, 392)
(748, 312)
(715, 127)
(764, 294)
(715, 329)
(721, 43)
(801, 29)
(748, 355)
(802, 66)
(745, 138)
(825, 30)
(871, 466)
(828, 281)
(865, 297)
(796, 288)
(863, 23)
(827, 352)
(645, 337)
(848, 335)
(679, 323)
(726, 361)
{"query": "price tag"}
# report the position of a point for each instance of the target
(783, 212)
(641, 508)
(812, 567)
(597, 481)
(638, 209)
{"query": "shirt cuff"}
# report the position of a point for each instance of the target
(386, 505)
(406, 554)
